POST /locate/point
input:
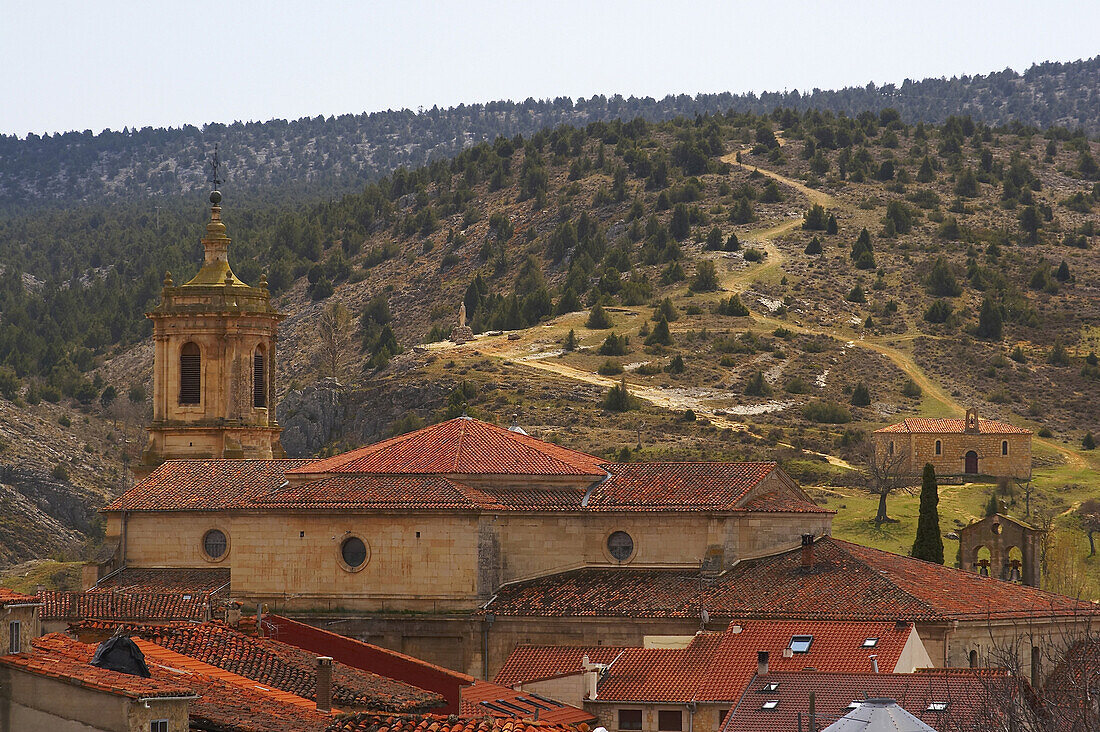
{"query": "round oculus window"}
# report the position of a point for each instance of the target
(620, 546)
(354, 552)
(214, 544)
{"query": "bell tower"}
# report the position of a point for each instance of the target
(214, 364)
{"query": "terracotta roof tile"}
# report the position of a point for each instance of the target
(75, 669)
(461, 446)
(226, 701)
(283, 666)
(665, 486)
(204, 485)
(714, 666)
(954, 426)
(847, 582)
(120, 606)
(174, 581)
(973, 699)
(11, 597)
(439, 723)
(483, 698)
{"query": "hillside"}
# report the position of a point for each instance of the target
(955, 296)
(282, 162)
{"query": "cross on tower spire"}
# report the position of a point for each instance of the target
(214, 165)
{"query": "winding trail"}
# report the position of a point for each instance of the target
(536, 347)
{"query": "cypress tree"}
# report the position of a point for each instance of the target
(929, 543)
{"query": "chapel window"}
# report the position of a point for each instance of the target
(214, 543)
(1004, 447)
(891, 447)
(190, 374)
(939, 447)
(620, 546)
(158, 725)
(259, 379)
(14, 639)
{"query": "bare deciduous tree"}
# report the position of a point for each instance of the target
(335, 331)
(886, 474)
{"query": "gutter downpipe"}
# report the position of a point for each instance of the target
(691, 707)
(592, 488)
(490, 618)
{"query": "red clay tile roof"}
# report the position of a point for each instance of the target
(973, 699)
(847, 582)
(677, 486)
(463, 692)
(439, 723)
(715, 666)
(372, 492)
(75, 669)
(485, 698)
(411, 472)
(181, 581)
(119, 606)
(286, 667)
(11, 597)
(461, 446)
(226, 701)
(204, 485)
(954, 426)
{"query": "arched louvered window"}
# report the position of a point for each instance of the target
(190, 374)
(259, 379)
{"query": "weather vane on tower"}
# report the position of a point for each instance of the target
(214, 179)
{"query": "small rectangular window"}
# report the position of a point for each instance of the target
(630, 719)
(939, 447)
(770, 704)
(937, 707)
(801, 643)
(1004, 447)
(870, 642)
(855, 705)
(158, 725)
(670, 720)
(14, 644)
(770, 688)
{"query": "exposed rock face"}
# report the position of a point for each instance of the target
(328, 413)
(40, 516)
(310, 417)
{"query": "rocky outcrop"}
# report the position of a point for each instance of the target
(329, 414)
(41, 517)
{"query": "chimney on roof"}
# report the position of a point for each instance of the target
(807, 551)
(324, 684)
(874, 662)
(762, 663)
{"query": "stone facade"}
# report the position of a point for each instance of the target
(437, 561)
(24, 618)
(219, 332)
(31, 702)
(961, 447)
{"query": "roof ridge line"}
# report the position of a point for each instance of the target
(877, 573)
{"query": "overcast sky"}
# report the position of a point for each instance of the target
(90, 65)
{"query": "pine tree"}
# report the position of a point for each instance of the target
(929, 542)
(814, 247)
(598, 319)
(861, 396)
(831, 227)
(1089, 443)
(660, 335)
(990, 324)
(570, 341)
